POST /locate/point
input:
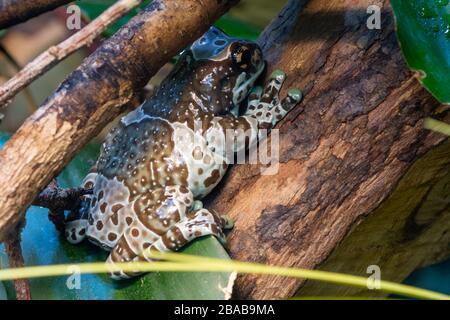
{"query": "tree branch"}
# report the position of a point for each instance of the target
(15, 11)
(55, 54)
(55, 198)
(342, 152)
(15, 258)
(93, 95)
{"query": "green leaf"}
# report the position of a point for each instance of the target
(42, 245)
(423, 30)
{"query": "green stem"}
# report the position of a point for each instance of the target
(437, 126)
(186, 263)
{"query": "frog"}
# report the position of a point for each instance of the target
(161, 159)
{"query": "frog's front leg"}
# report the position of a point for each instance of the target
(155, 212)
(266, 106)
(264, 110)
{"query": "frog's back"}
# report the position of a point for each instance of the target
(140, 158)
(135, 162)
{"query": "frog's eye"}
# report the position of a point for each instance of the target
(242, 56)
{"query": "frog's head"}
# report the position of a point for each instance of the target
(225, 69)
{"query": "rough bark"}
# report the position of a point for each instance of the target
(341, 159)
(58, 200)
(15, 258)
(93, 95)
(407, 231)
(15, 11)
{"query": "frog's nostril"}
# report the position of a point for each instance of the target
(220, 42)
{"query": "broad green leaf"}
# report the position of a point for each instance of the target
(423, 30)
(42, 245)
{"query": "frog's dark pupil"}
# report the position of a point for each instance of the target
(246, 57)
(242, 57)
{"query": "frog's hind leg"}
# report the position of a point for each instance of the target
(77, 222)
(155, 215)
(197, 224)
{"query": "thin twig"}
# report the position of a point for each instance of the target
(27, 94)
(55, 54)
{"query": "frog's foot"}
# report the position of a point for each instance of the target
(76, 230)
(196, 205)
(266, 106)
(225, 221)
(76, 223)
(196, 224)
(150, 224)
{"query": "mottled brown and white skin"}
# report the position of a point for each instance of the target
(168, 153)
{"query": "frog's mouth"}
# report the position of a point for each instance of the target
(244, 84)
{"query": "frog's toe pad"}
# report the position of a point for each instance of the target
(293, 98)
(76, 231)
(278, 75)
(228, 223)
(295, 94)
(197, 205)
